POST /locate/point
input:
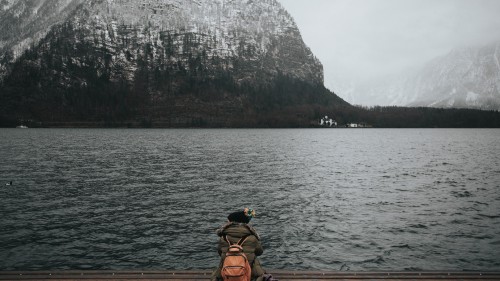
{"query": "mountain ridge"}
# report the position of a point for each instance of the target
(206, 18)
(464, 78)
(212, 60)
(98, 63)
(467, 77)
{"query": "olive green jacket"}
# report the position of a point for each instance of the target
(252, 247)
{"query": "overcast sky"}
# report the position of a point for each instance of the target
(367, 38)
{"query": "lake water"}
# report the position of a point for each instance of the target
(328, 199)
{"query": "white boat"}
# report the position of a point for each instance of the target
(22, 127)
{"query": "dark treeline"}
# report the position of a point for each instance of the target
(184, 99)
(68, 82)
(421, 117)
(219, 102)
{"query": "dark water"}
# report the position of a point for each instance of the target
(345, 199)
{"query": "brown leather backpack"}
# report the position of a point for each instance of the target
(236, 266)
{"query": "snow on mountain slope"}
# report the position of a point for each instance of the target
(259, 32)
(26, 22)
(464, 78)
(177, 62)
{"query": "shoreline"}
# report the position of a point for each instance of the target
(282, 275)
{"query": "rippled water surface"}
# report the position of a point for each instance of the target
(339, 199)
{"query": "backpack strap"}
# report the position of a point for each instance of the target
(243, 239)
(240, 242)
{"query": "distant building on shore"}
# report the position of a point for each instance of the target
(325, 121)
(358, 125)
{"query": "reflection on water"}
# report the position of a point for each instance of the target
(339, 199)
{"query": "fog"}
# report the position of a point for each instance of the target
(361, 40)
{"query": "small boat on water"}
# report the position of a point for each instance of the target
(22, 127)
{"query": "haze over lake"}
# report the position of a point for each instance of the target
(329, 199)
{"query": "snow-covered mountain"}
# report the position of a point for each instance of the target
(259, 31)
(24, 23)
(168, 60)
(464, 78)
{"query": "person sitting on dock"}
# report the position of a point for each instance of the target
(238, 231)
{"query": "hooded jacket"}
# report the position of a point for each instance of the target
(252, 247)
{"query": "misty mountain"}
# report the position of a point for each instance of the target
(464, 78)
(175, 62)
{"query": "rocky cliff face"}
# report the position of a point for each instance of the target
(155, 58)
(24, 23)
(259, 32)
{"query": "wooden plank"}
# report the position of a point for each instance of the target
(282, 275)
(319, 275)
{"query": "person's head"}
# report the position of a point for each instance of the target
(241, 216)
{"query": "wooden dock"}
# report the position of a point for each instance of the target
(281, 275)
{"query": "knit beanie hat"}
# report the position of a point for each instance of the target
(242, 216)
